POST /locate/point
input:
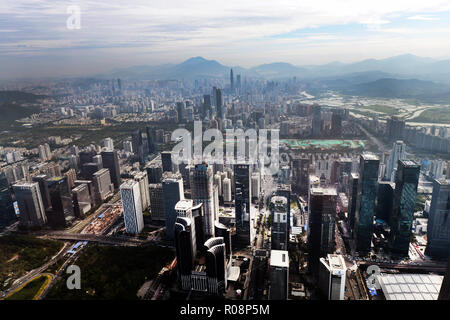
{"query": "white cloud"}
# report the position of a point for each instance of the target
(423, 17)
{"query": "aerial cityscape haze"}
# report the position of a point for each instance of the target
(225, 156)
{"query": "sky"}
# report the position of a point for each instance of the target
(37, 38)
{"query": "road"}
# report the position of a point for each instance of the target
(380, 144)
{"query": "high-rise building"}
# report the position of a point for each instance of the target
(385, 200)
(108, 143)
(151, 140)
(110, 161)
(185, 251)
(154, 173)
(216, 269)
(279, 275)
(231, 81)
(156, 202)
(336, 124)
(203, 192)
(365, 202)
(398, 153)
(43, 188)
(405, 194)
(61, 214)
(181, 110)
(438, 228)
(166, 158)
(395, 128)
(102, 184)
(138, 146)
(82, 202)
(332, 276)
(227, 190)
(173, 192)
(132, 210)
(32, 211)
(255, 187)
(353, 195)
(316, 121)
(321, 225)
(279, 232)
(88, 169)
(284, 190)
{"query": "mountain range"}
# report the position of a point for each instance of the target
(402, 67)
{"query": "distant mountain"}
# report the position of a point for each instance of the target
(278, 70)
(18, 97)
(398, 88)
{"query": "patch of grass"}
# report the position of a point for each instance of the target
(31, 253)
(109, 272)
(381, 108)
(29, 290)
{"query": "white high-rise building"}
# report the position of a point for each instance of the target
(227, 190)
(141, 178)
(132, 208)
(398, 153)
(256, 182)
(108, 144)
(332, 275)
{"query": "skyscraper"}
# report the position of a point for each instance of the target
(332, 277)
(132, 209)
(102, 184)
(353, 196)
(279, 275)
(141, 178)
(61, 214)
(32, 211)
(317, 121)
(166, 158)
(157, 201)
(405, 194)
(279, 232)
(110, 161)
(438, 228)
(231, 81)
(216, 271)
(82, 202)
(203, 192)
(184, 250)
(173, 192)
(385, 200)
(43, 188)
(321, 225)
(365, 202)
(398, 153)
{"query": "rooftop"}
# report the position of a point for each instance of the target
(326, 191)
(184, 204)
(410, 286)
(279, 258)
(369, 156)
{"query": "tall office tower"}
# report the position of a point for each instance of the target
(404, 202)
(242, 176)
(141, 178)
(219, 102)
(353, 196)
(138, 146)
(173, 192)
(336, 124)
(91, 189)
(184, 209)
(181, 110)
(218, 183)
(127, 146)
(110, 161)
(102, 184)
(108, 143)
(202, 192)
(279, 275)
(227, 190)
(332, 276)
(132, 210)
(321, 225)
(395, 128)
(154, 173)
(86, 157)
(448, 170)
(280, 234)
(256, 187)
(32, 211)
(88, 170)
(238, 83)
(385, 200)
(316, 121)
(300, 175)
(216, 270)
(284, 190)
(43, 188)
(82, 202)
(365, 201)
(185, 252)
(151, 140)
(157, 201)
(221, 230)
(231, 81)
(61, 214)
(42, 153)
(438, 228)
(398, 153)
(206, 105)
(166, 158)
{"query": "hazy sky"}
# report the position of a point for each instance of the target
(35, 40)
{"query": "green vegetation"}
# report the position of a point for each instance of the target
(29, 290)
(20, 254)
(434, 115)
(420, 202)
(381, 108)
(109, 272)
